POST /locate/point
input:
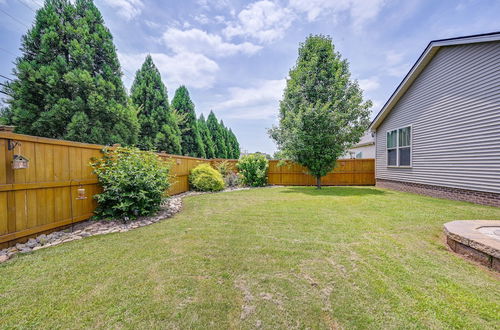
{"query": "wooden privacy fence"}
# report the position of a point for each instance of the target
(45, 196)
(347, 172)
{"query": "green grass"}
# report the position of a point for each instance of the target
(276, 258)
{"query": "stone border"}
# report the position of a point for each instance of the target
(464, 238)
(92, 228)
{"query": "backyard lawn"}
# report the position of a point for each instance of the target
(294, 257)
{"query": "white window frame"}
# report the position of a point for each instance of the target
(398, 147)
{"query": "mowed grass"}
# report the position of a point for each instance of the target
(295, 257)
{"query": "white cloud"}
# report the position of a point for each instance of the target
(393, 57)
(369, 84)
(190, 69)
(202, 19)
(360, 11)
(263, 20)
(260, 101)
(198, 41)
(394, 63)
(128, 9)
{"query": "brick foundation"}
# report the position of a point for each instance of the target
(478, 197)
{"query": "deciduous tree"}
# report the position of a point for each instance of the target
(322, 112)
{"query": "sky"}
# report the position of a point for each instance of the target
(234, 56)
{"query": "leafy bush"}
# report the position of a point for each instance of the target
(224, 168)
(134, 183)
(205, 178)
(253, 170)
(232, 180)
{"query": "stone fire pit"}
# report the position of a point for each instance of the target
(476, 239)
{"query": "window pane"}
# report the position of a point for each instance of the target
(404, 137)
(392, 157)
(404, 156)
(391, 139)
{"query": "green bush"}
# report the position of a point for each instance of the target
(205, 178)
(224, 168)
(134, 183)
(231, 178)
(253, 170)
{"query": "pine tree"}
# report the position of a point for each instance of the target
(191, 142)
(217, 135)
(158, 128)
(206, 137)
(68, 83)
(235, 145)
(227, 140)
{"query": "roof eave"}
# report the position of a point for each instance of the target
(426, 56)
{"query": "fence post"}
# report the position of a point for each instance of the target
(11, 198)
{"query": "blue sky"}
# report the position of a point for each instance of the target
(234, 56)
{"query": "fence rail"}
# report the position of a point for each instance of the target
(44, 196)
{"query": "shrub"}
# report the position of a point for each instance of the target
(134, 183)
(232, 180)
(205, 178)
(253, 170)
(224, 168)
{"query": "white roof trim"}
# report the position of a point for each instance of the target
(421, 63)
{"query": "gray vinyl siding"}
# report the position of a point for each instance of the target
(454, 110)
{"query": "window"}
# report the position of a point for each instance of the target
(359, 154)
(399, 147)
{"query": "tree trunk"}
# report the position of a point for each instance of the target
(318, 182)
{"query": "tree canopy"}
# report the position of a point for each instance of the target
(158, 127)
(206, 137)
(322, 113)
(191, 142)
(217, 134)
(68, 79)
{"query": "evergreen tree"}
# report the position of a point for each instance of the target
(206, 137)
(322, 112)
(235, 145)
(158, 127)
(217, 135)
(227, 140)
(68, 83)
(191, 142)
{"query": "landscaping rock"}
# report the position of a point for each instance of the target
(32, 243)
(3, 258)
(20, 246)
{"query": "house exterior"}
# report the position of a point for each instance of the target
(439, 132)
(365, 148)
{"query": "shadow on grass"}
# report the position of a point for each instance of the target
(333, 191)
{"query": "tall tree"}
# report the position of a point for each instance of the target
(158, 127)
(206, 137)
(191, 142)
(235, 145)
(227, 140)
(68, 81)
(322, 112)
(217, 135)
